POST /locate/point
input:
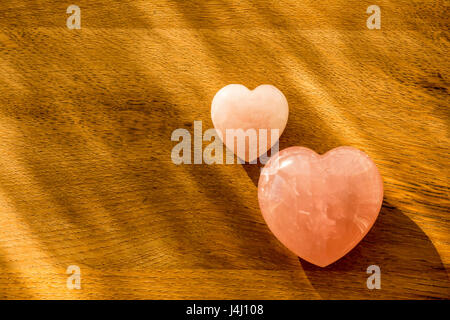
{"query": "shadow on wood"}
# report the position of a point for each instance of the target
(410, 265)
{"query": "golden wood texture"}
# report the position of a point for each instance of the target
(86, 117)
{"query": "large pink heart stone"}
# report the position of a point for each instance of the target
(235, 107)
(320, 206)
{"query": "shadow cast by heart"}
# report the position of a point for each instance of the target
(410, 264)
(253, 171)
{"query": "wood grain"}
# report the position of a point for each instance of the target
(86, 116)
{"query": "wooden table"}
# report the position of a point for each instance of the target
(86, 117)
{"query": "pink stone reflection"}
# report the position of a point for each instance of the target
(320, 206)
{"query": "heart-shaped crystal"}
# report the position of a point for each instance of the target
(259, 116)
(320, 206)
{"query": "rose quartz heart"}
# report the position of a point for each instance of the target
(236, 107)
(320, 206)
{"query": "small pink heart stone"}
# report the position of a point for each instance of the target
(235, 107)
(320, 206)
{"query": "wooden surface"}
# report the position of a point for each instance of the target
(86, 116)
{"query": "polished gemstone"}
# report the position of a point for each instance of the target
(264, 111)
(320, 206)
